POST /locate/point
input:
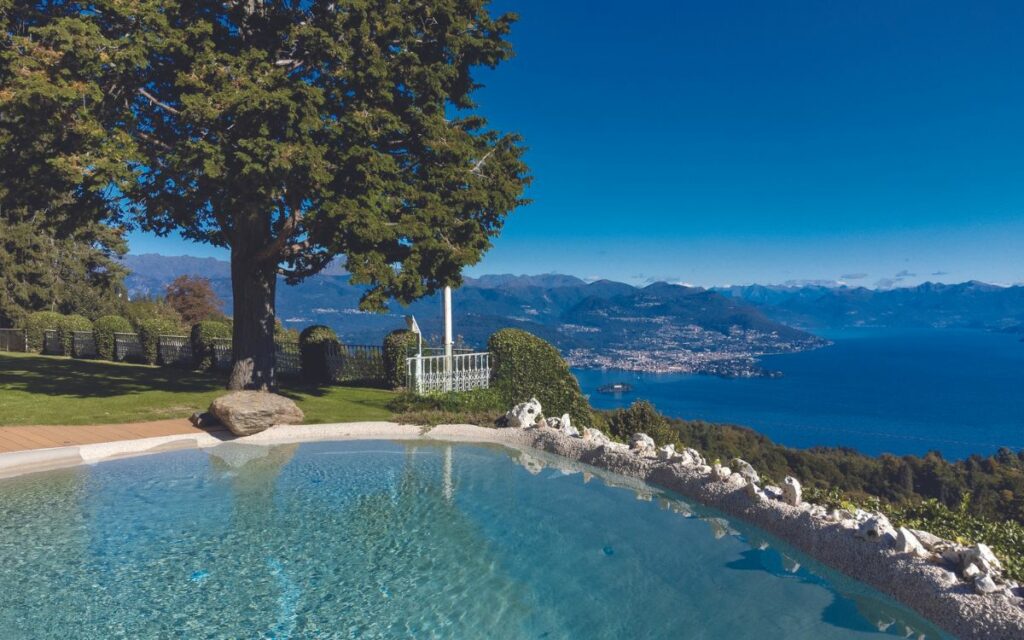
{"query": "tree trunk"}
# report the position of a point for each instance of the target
(253, 285)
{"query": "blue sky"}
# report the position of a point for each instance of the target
(729, 141)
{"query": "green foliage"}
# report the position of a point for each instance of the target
(640, 417)
(525, 366)
(398, 345)
(480, 407)
(319, 130)
(74, 273)
(194, 300)
(282, 333)
(1006, 537)
(314, 343)
(35, 326)
(67, 326)
(202, 337)
(103, 331)
(149, 332)
(142, 309)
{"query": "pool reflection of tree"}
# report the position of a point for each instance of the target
(371, 545)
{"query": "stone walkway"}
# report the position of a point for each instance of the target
(45, 437)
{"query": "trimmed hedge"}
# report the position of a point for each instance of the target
(36, 324)
(149, 330)
(67, 327)
(103, 331)
(202, 336)
(313, 345)
(398, 345)
(525, 366)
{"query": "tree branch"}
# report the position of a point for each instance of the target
(163, 105)
(480, 163)
(273, 250)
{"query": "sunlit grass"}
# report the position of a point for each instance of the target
(46, 390)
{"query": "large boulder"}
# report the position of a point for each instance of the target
(524, 414)
(249, 412)
(876, 528)
(792, 492)
(642, 444)
(595, 436)
(743, 468)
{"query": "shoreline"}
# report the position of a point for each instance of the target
(932, 591)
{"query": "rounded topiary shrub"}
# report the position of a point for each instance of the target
(203, 335)
(149, 330)
(314, 343)
(67, 327)
(398, 345)
(103, 331)
(35, 326)
(524, 367)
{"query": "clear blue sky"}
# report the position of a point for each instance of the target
(729, 141)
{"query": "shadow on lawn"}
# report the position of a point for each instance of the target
(97, 379)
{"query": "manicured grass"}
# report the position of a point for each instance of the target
(52, 390)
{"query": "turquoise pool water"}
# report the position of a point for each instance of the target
(388, 540)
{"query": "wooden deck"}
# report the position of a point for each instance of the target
(45, 437)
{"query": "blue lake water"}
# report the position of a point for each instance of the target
(390, 540)
(903, 392)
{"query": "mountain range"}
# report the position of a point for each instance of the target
(658, 327)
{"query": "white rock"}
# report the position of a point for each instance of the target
(642, 444)
(753, 491)
(570, 431)
(907, 542)
(929, 540)
(617, 447)
(981, 555)
(704, 469)
(876, 528)
(743, 468)
(667, 453)
(595, 435)
(773, 492)
(524, 414)
(971, 572)
(792, 492)
(718, 472)
(697, 460)
(985, 584)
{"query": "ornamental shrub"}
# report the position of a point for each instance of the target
(36, 324)
(202, 336)
(103, 331)
(525, 366)
(149, 330)
(66, 327)
(641, 417)
(314, 342)
(398, 345)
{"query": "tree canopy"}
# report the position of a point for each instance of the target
(290, 131)
(194, 299)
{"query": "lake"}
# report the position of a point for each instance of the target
(898, 391)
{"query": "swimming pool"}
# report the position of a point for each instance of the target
(378, 539)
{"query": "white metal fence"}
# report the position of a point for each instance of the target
(462, 372)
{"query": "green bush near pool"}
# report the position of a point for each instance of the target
(525, 366)
(103, 331)
(203, 335)
(36, 325)
(314, 343)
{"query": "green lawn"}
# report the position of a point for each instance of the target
(52, 390)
